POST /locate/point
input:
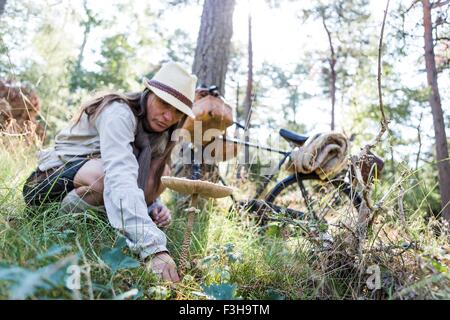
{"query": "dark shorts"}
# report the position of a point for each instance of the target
(51, 185)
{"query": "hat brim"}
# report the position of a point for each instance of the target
(170, 99)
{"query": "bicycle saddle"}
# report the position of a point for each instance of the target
(293, 137)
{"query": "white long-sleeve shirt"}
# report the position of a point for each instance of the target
(109, 136)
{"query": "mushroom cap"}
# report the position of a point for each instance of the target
(203, 188)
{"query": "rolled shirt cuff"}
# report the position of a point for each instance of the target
(146, 252)
(154, 205)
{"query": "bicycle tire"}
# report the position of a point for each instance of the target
(338, 190)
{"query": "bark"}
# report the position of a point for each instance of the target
(211, 60)
(332, 63)
(212, 54)
(436, 110)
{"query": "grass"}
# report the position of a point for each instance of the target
(228, 251)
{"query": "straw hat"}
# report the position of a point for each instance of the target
(200, 187)
(175, 85)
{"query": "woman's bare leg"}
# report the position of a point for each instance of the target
(88, 182)
(89, 186)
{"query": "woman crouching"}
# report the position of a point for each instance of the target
(113, 157)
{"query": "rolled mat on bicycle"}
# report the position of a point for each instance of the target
(323, 153)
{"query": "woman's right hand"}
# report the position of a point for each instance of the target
(163, 265)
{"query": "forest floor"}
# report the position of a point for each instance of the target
(231, 256)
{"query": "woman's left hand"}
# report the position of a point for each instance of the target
(161, 215)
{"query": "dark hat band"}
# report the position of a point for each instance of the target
(176, 94)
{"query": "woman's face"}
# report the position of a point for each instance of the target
(161, 115)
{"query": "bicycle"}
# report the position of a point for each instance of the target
(314, 193)
(296, 196)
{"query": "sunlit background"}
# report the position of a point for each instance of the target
(282, 37)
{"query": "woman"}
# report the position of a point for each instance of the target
(112, 160)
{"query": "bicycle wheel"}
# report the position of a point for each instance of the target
(314, 198)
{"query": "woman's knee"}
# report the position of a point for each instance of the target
(90, 175)
(89, 195)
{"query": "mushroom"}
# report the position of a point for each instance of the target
(195, 188)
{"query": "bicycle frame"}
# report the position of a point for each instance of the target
(196, 169)
(269, 178)
(298, 177)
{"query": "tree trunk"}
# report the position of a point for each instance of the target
(2, 6)
(87, 30)
(76, 80)
(332, 62)
(249, 91)
(211, 60)
(213, 44)
(436, 110)
(247, 105)
(212, 54)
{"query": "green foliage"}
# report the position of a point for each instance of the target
(287, 82)
(116, 52)
(230, 256)
(114, 67)
(220, 291)
(116, 260)
(180, 47)
(352, 42)
(25, 282)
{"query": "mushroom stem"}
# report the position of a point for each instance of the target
(187, 234)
